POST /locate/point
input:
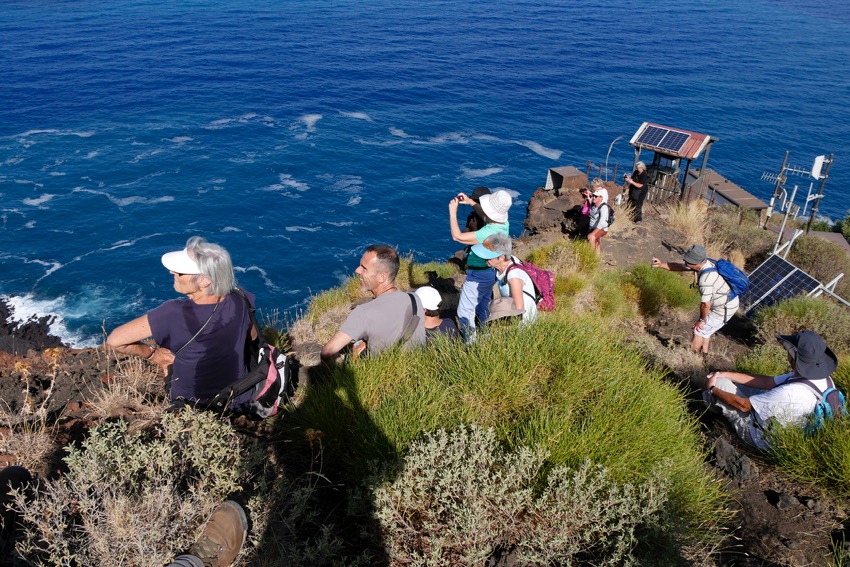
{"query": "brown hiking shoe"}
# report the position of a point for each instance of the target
(223, 536)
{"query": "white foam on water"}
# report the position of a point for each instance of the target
(147, 154)
(57, 173)
(30, 224)
(471, 173)
(286, 181)
(13, 161)
(179, 140)
(39, 200)
(26, 307)
(124, 201)
(354, 201)
(449, 137)
(231, 229)
(92, 154)
(340, 223)
(398, 132)
(383, 143)
(357, 116)
(263, 274)
(247, 118)
(28, 182)
(540, 149)
(144, 178)
(85, 134)
(249, 158)
(218, 180)
(303, 228)
(309, 121)
(343, 182)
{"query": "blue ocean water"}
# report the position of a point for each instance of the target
(295, 132)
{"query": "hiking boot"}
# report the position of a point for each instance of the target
(223, 536)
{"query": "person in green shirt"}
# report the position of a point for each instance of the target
(477, 290)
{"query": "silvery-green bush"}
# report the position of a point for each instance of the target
(133, 498)
(459, 498)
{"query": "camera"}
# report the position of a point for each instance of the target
(625, 176)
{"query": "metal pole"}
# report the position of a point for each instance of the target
(785, 219)
(780, 179)
(820, 194)
(608, 154)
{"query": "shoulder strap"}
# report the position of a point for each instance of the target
(195, 336)
(413, 322)
(533, 284)
(811, 385)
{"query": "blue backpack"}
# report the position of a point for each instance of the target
(830, 404)
(736, 279)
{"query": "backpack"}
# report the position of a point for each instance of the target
(830, 404)
(611, 216)
(270, 375)
(543, 281)
(734, 277)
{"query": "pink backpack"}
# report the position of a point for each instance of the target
(544, 284)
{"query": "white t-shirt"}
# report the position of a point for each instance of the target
(788, 403)
(529, 306)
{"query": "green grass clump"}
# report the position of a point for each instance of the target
(661, 287)
(413, 275)
(826, 317)
(561, 384)
(565, 257)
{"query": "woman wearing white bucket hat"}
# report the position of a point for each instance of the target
(477, 289)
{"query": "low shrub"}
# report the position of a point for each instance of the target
(565, 257)
(560, 395)
(413, 275)
(133, 498)
(461, 499)
(822, 260)
(828, 318)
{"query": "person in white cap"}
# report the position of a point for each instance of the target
(600, 212)
(477, 289)
(434, 324)
(638, 187)
(199, 342)
(751, 401)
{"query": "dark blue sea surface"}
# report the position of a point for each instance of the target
(297, 132)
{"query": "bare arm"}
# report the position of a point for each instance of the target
(467, 238)
(127, 339)
(333, 346)
(760, 381)
(515, 285)
(669, 266)
(737, 402)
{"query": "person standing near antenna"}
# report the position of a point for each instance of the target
(638, 188)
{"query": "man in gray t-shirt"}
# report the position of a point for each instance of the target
(387, 319)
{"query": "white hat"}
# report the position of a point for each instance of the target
(180, 262)
(496, 205)
(602, 193)
(429, 297)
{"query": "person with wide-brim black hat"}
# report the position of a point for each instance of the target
(751, 402)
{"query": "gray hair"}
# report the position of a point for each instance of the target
(500, 243)
(597, 183)
(387, 259)
(640, 165)
(215, 264)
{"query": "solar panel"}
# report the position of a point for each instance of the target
(674, 141)
(776, 279)
(663, 138)
(652, 136)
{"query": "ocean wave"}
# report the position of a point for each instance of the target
(310, 120)
(247, 118)
(92, 154)
(535, 147)
(124, 201)
(26, 307)
(399, 133)
(147, 154)
(13, 161)
(471, 173)
(231, 229)
(355, 200)
(357, 116)
(30, 224)
(179, 140)
(286, 181)
(57, 174)
(303, 228)
(28, 182)
(263, 274)
(345, 183)
(150, 175)
(38, 201)
(28, 133)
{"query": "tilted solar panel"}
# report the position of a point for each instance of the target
(774, 280)
(674, 141)
(652, 136)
